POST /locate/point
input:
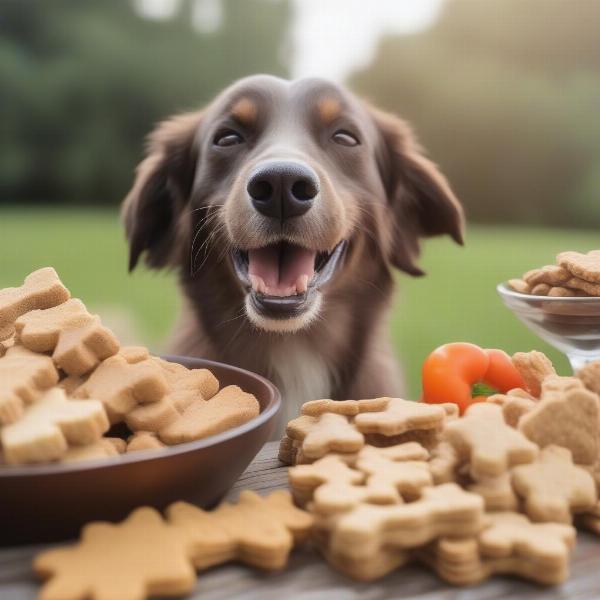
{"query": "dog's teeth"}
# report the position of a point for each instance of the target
(257, 283)
(302, 284)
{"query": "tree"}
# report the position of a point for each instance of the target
(82, 82)
(504, 94)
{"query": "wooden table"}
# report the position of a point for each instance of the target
(309, 578)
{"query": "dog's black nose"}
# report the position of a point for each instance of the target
(283, 189)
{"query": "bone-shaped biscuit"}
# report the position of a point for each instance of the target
(497, 492)
(513, 406)
(509, 544)
(77, 340)
(568, 419)
(230, 407)
(442, 510)
(553, 486)
(104, 448)
(484, 440)
(24, 375)
(408, 477)
(139, 557)
(584, 266)
(144, 440)
(41, 289)
(590, 376)
(330, 468)
(121, 386)
(400, 416)
(348, 408)
(259, 531)
(50, 425)
(534, 367)
(387, 482)
(329, 432)
(185, 387)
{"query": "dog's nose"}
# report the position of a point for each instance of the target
(283, 189)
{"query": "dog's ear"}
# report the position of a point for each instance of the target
(419, 196)
(163, 182)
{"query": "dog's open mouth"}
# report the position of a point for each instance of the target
(282, 278)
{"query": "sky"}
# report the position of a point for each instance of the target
(329, 38)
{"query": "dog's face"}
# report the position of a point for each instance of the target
(287, 177)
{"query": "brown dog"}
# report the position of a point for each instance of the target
(284, 207)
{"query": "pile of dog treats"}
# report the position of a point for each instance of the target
(574, 274)
(258, 531)
(497, 490)
(65, 380)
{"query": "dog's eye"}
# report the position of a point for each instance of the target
(228, 138)
(344, 138)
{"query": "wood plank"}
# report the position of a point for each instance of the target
(308, 576)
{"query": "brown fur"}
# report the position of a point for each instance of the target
(188, 207)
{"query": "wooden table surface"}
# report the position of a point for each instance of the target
(309, 578)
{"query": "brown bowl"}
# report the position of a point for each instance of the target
(42, 503)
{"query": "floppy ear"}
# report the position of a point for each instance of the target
(161, 191)
(419, 196)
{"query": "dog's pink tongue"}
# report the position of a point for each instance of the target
(281, 270)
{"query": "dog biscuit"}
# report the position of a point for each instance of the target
(582, 287)
(144, 440)
(41, 289)
(408, 477)
(583, 266)
(497, 492)
(258, 531)
(326, 433)
(121, 386)
(50, 425)
(590, 519)
(139, 557)
(230, 407)
(551, 275)
(24, 375)
(513, 406)
(519, 285)
(553, 486)
(441, 510)
(134, 354)
(304, 479)
(443, 463)
(400, 416)
(484, 440)
(368, 568)
(509, 544)
(103, 448)
(541, 289)
(185, 387)
(568, 419)
(6, 344)
(534, 367)
(348, 408)
(590, 376)
(77, 340)
(555, 384)
(560, 291)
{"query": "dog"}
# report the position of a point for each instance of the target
(284, 207)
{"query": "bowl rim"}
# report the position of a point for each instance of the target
(7, 471)
(505, 291)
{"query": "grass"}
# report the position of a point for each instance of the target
(456, 301)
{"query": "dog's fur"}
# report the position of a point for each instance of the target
(188, 208)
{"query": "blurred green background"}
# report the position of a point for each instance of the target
(504, 94)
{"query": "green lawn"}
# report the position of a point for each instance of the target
(456, 301)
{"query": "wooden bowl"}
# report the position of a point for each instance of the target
(50, 502)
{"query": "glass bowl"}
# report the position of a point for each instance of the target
(571, 325)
